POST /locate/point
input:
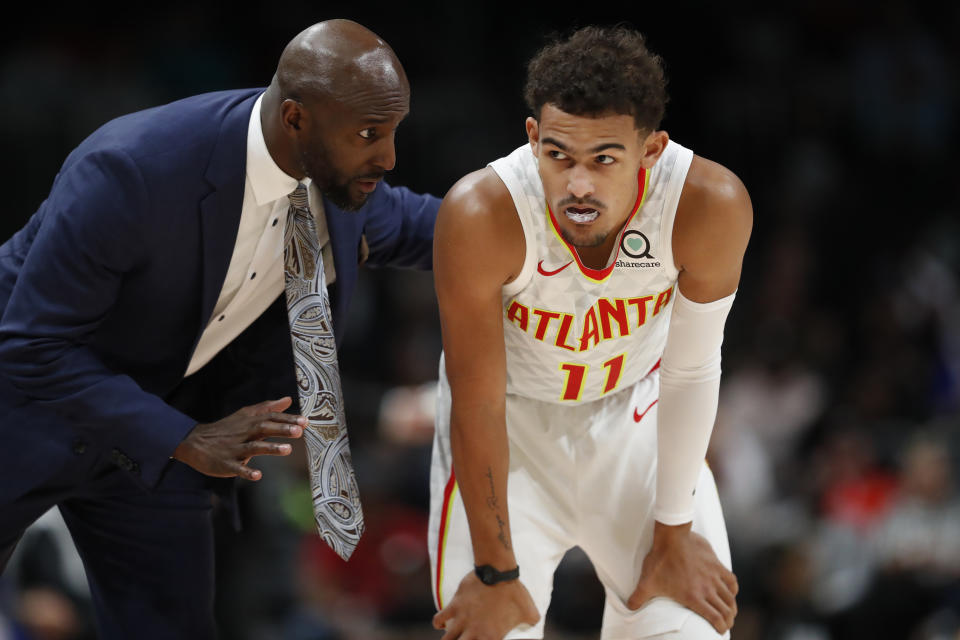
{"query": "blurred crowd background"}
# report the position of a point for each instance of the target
(838, 435)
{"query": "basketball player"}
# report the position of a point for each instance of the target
(584, 282)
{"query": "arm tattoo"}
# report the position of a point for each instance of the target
(502, 536)
(492, 502)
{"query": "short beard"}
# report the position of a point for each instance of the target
(339, 194)
(595, 241)
(318, 167)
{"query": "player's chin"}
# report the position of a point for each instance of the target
(585, 236)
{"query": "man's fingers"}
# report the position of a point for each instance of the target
(714, 617)
(717, 602)
(453, 629)
(731, 581)
(440, 618)
(725, 610)
(270, 427)
(638, 597)
(726, 594)
(281, 404)
(287, 418)
(243, 471)
(262, 448)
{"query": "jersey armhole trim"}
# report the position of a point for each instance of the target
(521, 201)
(678, 178)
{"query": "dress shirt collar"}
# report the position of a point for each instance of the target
(268, 181)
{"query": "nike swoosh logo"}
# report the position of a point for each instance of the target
(637, 417)
(544, 272)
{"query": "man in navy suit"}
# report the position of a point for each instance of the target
(144, 325)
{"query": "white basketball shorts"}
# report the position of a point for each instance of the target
(580, 474)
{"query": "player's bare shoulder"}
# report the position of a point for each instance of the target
(480, 198)
(478, 213)
(714, 217)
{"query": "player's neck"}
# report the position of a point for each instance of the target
(598, 256)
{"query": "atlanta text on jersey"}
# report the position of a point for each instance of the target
(624, 314)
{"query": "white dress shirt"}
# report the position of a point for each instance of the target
(255, 276)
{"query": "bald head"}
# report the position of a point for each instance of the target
(338, 59)
(332, 110)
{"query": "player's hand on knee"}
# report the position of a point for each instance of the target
(683, 566)
(223, 448)
(481, 612)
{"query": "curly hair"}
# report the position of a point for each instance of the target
(596, 71)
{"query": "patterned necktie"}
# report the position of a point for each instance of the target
(336, 500)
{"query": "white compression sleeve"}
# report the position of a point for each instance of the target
(689, 387)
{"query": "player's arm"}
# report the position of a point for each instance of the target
(710, 235)
(478, 247)
(713, 224)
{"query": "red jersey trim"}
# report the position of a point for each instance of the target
(448, 493)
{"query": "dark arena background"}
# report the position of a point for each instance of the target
(837, 441)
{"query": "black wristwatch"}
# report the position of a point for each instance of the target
(490, 576)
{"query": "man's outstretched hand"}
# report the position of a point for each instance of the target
(482, 612)
(223, 448)
(682, 566)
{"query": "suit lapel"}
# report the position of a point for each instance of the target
(220, 210)
(220, 218)
(344, 228)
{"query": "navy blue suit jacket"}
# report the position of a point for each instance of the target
(106, 290)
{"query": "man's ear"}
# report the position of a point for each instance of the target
(653, 146)
(533, 134)
(292, 115)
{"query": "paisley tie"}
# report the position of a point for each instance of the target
(336, 500)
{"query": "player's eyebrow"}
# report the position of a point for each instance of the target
(596, 149)
(555, 143)
(607, 145)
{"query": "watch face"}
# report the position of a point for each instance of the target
(490, 576)
(487, 574)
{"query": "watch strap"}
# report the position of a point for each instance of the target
(489, 575)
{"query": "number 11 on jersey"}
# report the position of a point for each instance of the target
(576, 374)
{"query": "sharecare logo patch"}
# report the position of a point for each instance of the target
(637, 246)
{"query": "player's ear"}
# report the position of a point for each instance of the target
(653, 145)
(533, 134)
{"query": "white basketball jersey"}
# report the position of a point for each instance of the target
(576, 334)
